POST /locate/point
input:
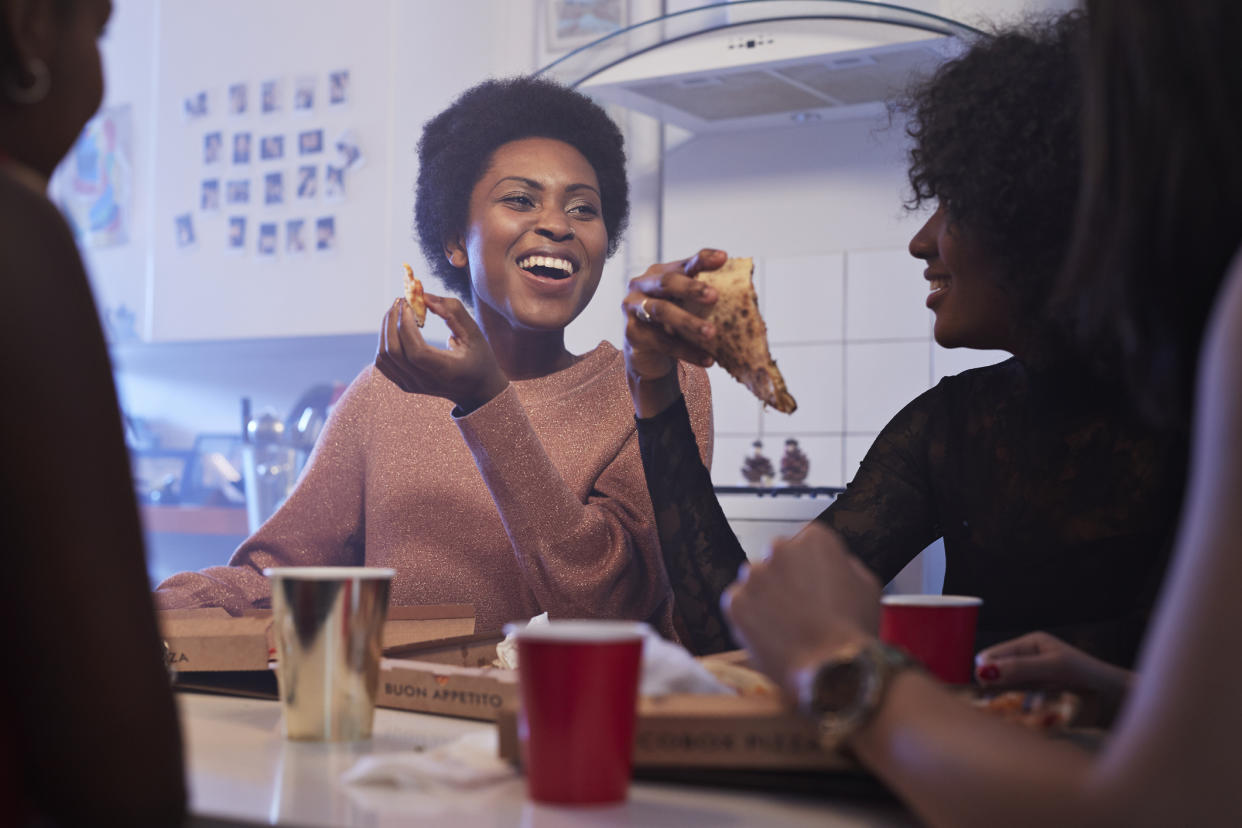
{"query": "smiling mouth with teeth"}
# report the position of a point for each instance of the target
(549, 267)
(939, 283)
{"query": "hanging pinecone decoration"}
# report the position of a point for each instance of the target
(757, 469)
(795, 465)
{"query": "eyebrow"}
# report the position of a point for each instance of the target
(535, 185)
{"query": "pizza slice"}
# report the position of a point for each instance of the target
(741, 335)
(414, 295)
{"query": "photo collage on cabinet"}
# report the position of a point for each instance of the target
(271, 171)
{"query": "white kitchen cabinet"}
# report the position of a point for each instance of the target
(406, 59)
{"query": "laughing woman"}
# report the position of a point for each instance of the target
(502, 471)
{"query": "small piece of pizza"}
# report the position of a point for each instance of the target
(1031, 709)
(741, 679)
(414, 295)
(742, 336)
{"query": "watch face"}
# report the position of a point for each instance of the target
(837, 687)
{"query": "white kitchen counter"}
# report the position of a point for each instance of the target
(240, 768)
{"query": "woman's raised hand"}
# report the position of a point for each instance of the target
(660, 329)
(466, 372)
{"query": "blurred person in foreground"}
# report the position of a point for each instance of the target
(88, 726)
(1155, 278)
(1056, 503)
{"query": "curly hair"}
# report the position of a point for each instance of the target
(997, 144)
(457, 145)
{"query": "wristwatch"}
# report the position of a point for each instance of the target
(842, 694)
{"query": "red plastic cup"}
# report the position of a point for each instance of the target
(938, 630)
(579, 684)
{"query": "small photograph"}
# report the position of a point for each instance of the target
(308, 182)
(338, 87)
(209, 199)
(272, 147)
(295, 236)
(241, 148)
(237, 234)
(185, 230)
(267, 238)
(269, 96)
(213, 147)
(304, 95)
(239, 98)
(237, 192)
(325, 234)
(333, 183)
(195, 106)
(310, 142)
(349, 151)
(274, 188)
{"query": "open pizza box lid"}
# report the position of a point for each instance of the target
(211, 640)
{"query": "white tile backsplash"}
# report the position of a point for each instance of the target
(881, 378)
(814, 375)
(803, 297)
(885, 296)
(735, 409)
(949, 361)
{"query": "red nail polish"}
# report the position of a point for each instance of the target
(989, 672)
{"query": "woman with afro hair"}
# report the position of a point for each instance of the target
(1055, 503)
(501, 470)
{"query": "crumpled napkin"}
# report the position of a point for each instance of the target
(506, 651)
(469, 761)
(667, 667)
(670, 668)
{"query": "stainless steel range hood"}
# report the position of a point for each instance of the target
(762, 63)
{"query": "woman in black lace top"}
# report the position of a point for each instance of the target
(1055, 503)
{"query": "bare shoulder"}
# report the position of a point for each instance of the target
(30, 224)
(38, 259)
(1218, 405)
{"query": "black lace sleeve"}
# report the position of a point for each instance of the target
(886, 514)
(701, 553)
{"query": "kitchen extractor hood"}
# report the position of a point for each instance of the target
(755, 64)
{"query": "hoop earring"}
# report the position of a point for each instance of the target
(40, 84)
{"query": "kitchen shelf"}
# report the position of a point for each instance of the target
(782, 491)
(195, 520)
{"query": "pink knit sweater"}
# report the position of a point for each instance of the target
(534, 502)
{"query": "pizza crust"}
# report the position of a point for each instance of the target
(414, 295)
(741, 335)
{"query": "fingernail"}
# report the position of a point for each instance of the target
(989, 672)
(707, 293)
(707, 331)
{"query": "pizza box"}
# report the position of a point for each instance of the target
(714, 732)
(450, 678)
(211, 640)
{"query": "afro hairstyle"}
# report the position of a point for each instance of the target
(457, 145)
(996, 142)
